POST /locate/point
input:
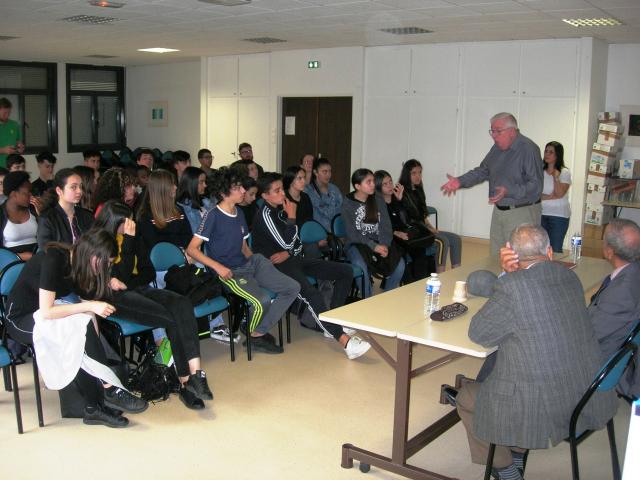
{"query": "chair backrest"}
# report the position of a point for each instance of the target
(9, 275)
(312, 232)
(260, 202)
(634, 335)
(337, 226)
(7, 257)
(165, 255)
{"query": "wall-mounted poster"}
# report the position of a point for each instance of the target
(158, 114)
(631, 121)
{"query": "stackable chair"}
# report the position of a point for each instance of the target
(7, 362)
(165, 255)
(339, 234)
(8, 276)
(606, 380)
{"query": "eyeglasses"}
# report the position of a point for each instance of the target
(498, 131)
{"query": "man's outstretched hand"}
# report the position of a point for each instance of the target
(451, 186)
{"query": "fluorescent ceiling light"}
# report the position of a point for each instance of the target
(106, 4)
(592, 22)
(158, 50)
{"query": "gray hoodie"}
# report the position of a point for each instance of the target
(370, 234)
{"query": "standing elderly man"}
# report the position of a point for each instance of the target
(513, 168)
(547, 357)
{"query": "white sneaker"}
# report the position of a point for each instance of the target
(356, 348)
(221, 333)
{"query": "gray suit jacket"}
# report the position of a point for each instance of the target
(547, 357)
(613, 313)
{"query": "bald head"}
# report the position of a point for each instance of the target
(530, 242)
(622, 236)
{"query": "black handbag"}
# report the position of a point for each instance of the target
(419, 237)
(195, 283)
(379, 266)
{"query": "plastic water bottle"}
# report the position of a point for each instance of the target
(576, 247)
(432, 294)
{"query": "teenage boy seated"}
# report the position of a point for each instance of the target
(92, 159)
(46, 163)
(244, 273)
(275, 235)
(16, 163)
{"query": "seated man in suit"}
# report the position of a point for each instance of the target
(547, 357)
(615, 308)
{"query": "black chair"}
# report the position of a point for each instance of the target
(606, 380)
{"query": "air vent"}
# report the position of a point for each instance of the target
(90, 19)
(264, 40)
(227, 3)
(100, 56)
(6, 37)
(592, 22)
(405, 30)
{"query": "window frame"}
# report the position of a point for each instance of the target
(51, 92)
(94, 94)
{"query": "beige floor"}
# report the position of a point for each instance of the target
(278, 417)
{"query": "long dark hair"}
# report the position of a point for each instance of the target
(379, 177)
(289, 176)
(559, 149)
(88, 177)
(50, 197)
(414, 198)
(317, 163)
(111, 216)
(188, 187)
(91, 277)
(371, 207)
(405, 175)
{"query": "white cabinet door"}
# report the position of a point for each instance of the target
(433, 142)
(475, 211)
(222, 76)
(386, 132)
(254, 75)
(387, 71)
(222, 129)
(435, 70)
(253, 127)
(549, 68)
(491, 69)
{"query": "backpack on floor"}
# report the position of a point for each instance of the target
(154, 381)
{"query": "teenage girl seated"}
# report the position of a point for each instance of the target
(18, 221)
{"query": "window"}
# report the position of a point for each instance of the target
(95, 107)
(31, 89)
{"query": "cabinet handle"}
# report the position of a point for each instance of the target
(406, 91)
(513, 91)
(524, 93)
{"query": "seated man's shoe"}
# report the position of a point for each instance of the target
(197, 384)
(120, 399)
(356, 347)
(266, 344)
(97, 415)
(190, 399)
(448, 395)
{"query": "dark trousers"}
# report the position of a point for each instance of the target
(21, 330)
(557, 228)
(160, 308)
(341, 274)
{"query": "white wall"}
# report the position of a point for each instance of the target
(179, 85)
(623, 72)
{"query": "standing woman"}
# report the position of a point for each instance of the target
(326, 198)
(555, 203)
(134, 300)
(160, 219)
(18, 221)
(62, 218)
(191, 197)
(56, 274)
(414, 200)
(367, 222)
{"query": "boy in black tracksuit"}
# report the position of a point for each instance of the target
(275, 236)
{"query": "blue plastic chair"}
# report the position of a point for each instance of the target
(312, 232)
(123, 329)
(8, 276)
(340, 233)
(7, 257)
(605, 381)
(7, 362)
(433, 211)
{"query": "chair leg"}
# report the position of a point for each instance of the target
(280, 342)
(575, 471)
(524, 461)
(36, 386)
(232, 325)
(288, 327)
(7, 379)
(16, 397)
(615, 465)
(246, 310)
(487, 471)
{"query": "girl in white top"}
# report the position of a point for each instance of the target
(555, 202)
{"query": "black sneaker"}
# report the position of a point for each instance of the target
(190, 399)
(265, 345)
(119, 399)
(197, 384)
(96, 415)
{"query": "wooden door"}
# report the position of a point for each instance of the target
(321, 126)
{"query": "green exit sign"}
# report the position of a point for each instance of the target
(313, 64)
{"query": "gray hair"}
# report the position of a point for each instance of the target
(529, 240)
(511, 120)
(623, 236)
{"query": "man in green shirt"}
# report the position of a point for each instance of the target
(10, 133)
